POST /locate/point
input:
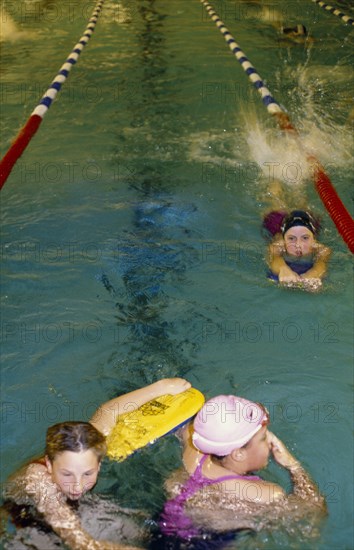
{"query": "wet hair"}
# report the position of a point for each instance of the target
(219, 459)
(75, 437)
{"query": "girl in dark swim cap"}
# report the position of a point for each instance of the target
(295, 257)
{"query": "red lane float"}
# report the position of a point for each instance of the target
(27, 132)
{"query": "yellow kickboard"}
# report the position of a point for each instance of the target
(156, 418)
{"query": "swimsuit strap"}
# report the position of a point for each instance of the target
(198, 475)
(174, 520)
(225, 478)
(200, 463)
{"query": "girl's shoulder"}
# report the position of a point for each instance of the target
(26, 482)
(321, 251)
(174, 484)
(252, 490)
(27, 470)
(277, 245)
(36, 468)
(237, 495)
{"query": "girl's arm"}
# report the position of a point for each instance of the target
(191, 456)
(106, 416)
(34, 486)
(319, 268)
(277, 263)
(67, 525)
(304, 487)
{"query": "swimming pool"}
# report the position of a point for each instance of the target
(131, 241)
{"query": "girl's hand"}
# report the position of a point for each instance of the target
(281, 454)
(173, 385)
(287, 275)
(311, 283)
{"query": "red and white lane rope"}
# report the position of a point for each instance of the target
(30, 128)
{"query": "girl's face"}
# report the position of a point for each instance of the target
(74, 473)
(299, 241)
(258, 450)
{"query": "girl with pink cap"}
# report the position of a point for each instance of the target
(226, 443)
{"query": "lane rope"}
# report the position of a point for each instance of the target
(329, 196)
(30, 128)
(348, 20)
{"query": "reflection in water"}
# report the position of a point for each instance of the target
(151, 257)
(100, 517)
(153, 254)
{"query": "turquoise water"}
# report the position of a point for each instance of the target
(131, 241)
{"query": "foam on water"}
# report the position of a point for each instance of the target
(280, 155)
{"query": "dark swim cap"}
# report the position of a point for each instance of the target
(300, 217)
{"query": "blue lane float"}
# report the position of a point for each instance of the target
(270, 103)
(345, 18)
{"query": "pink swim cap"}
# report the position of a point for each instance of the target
(227, 422)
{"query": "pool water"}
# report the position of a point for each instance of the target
(131, 242)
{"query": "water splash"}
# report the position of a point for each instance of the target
(324, 127)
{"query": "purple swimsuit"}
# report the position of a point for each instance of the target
(173, 520)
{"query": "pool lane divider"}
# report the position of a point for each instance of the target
(348, 20)
(30, 128)
(329, 196)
